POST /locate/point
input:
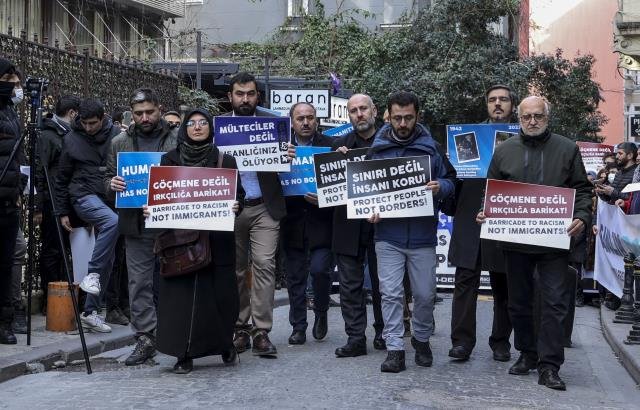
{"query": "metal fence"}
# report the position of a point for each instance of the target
(85, 74)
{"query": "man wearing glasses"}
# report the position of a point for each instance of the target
(537, 156)
(150, 133)
(470, 255)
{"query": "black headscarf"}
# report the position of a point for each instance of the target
(194, 153)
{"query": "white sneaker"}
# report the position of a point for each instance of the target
(95, 322)
(91, 283)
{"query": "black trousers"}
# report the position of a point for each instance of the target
(9, 220)
(464, 304)
(353, 296)
(117, 293)
(551, 280)
(51, 262)
(320, 264)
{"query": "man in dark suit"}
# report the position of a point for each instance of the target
(306, 232)
(353, 243)
(257, 230)
(471, 255)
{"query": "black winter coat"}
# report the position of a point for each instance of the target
(49, 150)
(82, 165)
(197, 312)
(10, 132)
(305, 220)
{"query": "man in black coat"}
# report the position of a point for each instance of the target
(353, 243)
(49, 150)
(11, 184)
(471, 255)
(306, 234)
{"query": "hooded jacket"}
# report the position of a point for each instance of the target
(82, 165)
(49, 149)
(417, 232)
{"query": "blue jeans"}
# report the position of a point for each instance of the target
(421, 265)
(94, 211)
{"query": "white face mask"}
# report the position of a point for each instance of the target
(611, 177)
(18, 97)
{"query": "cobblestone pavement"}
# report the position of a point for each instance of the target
(310, 376)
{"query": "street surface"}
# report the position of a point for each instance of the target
(310, 376)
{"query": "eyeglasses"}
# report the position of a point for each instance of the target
(528, 117)
(201, 123)
(501, 99)
(406, 118)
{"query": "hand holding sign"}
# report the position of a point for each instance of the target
(434, 186)
(575, 228)
(118, 184)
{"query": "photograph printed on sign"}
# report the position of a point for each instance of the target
(501, 136)
(467, 147)
(390, 187)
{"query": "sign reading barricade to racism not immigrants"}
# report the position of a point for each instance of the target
(257, 143)
(528, 213)
(301, 179)
(192, 198)
(393, 188)
(331, 178)
(471, 146)
(591, 153)
(134, 168)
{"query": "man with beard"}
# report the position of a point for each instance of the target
(353, 243)
(306, 234)
(79, 186)
(536, 156)
(409, 243)
(626, 154)
(471, 255)
(257, 231)
(148, 133)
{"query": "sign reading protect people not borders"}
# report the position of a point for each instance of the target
(528, 213)
(392, 188)
(192, 198)
(331, 181)
(257, 143)
(134, 168)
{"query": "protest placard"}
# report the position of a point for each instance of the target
(134, 168)
(528, 213)
(331, 181)
(257, 143)
(392, 188)
(471, 146)
(339, 131)
(192, 198)
(592, 153)
(301, 179)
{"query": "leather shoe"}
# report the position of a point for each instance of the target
(352, 350)
(378, 342)
(242, 341)
(394, 363)
(459, 353)
(262, 346)
(320, 326)
(550, 379)
(298, 337)
(183, 366)
(501, 354)
(230, 357)
(524, 364)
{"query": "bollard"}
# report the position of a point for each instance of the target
(624, 314)
(634, 334)
(60, 315)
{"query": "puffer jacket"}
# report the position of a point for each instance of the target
(10, 131)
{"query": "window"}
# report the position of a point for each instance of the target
(297, 8)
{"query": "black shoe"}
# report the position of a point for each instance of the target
(460, 353)
(230, 357)
(116, 317)
(612, 302)
(580, 299)
(524, 364)
(6, 335)
(144, 350)
(378, 342)
(423, 357)
(19, 324)
(550, 379)
(242, 341)
(394, 363)
(501, 354)
(183, 366)
(262, 346)
(320, 326)
(298, 337)
(352, 350)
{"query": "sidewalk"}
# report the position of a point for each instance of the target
(48, 348)
(616, 333)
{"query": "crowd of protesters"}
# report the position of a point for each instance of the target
(226, 308)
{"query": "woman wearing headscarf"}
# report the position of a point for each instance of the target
(197, 312)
